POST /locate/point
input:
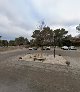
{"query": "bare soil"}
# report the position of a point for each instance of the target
(21, 76)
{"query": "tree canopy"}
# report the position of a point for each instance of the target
(43, 37)
(21, 41)
(59, 35)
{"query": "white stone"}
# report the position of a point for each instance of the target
(48, 58)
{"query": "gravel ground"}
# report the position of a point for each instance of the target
(21, 76)
(46, 58)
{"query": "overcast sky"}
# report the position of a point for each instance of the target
(22, 17)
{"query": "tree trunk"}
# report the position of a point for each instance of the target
(41, 51)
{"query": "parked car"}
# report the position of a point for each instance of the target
(34, 48)
(30, 48)
(64, 48)
(48, 48)
(72, 48)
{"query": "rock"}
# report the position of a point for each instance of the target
(59, 54)
(20, 57)
(47, 59)
(68, 63)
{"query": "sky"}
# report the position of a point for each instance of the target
(22, 17)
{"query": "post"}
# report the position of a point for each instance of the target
(54, 46)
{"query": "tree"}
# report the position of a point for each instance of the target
(37, 38)
(66, 41)
(43, 37)
(11, 43)
(0, 37)
(26, 42)
(76, 41)
(36, 34)
(47, 35)
(32, 43)
(4, 43)
(59, 35)
(78, 27)
(19, 41)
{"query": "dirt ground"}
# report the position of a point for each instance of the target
(21, 76)
(9, 48)
(44, 78)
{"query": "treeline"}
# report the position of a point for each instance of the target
(44, 37)
(49, 37)
(58, 37)
(17, 42)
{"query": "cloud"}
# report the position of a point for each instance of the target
(22, 17)
(58, 11)
(12, 23)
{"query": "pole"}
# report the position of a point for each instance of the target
(54, 46)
